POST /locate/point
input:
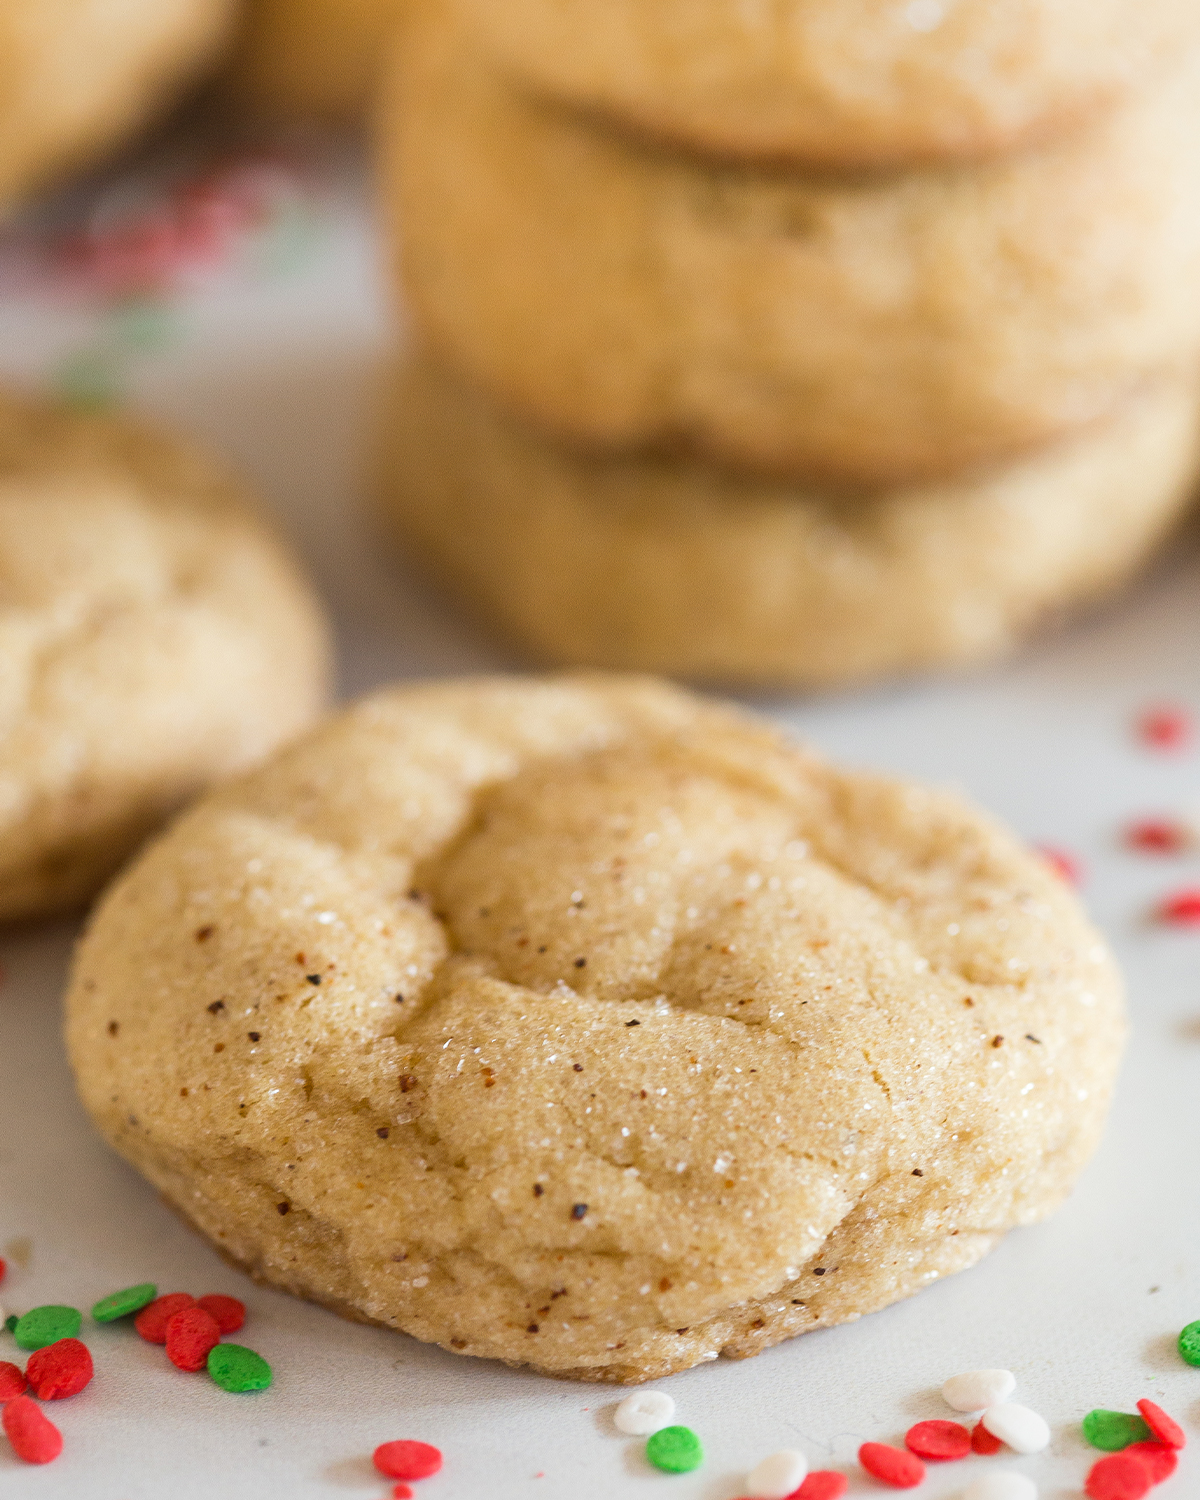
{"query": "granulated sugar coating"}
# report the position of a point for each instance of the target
(584, 1024)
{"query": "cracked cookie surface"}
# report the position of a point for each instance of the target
(154, 635)
(584, 1024)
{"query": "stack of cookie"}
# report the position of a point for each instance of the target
(794, 343)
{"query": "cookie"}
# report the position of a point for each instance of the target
(582, 1024)
(312, 57)
(864, 82)
(77, 78)
(688, 569)
(860, 330)
(154, 635)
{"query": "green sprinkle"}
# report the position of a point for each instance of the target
(1189, 1344)
(1114, 1430)
(46, 1325)
(11, 1322)
(121, 1304)
(238, 1369)
(675, 1449)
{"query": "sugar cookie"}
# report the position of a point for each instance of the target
(77, 78)
(683, 568)
(860, 330)
(583, 1024)
(153, 636)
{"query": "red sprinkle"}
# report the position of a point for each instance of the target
(982, 1441)
(60, 1369)
(402, 1492)
(12, 1382)
(1158, 1458)
(152, 1321)
(938, 1440)
(1157, 836)
(1166, 1429)
(192, 1335)
(891, 1465)
(821, 1484)
(1118, 1477)
(1165, 728)
(1183, 908)
(3, 1267)
(406, 1459)
(228, 1311)
(33, 1436)
(1063, 864)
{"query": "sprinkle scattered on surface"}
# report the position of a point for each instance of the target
(192, 1334)
(675, 1450)
(644, 1412)
(407, 1459)
(822, 1484)
(777, 1476)
(59, 1370)
(152, 1321)
(975, 1390)
(1118, 1477)
(1165, 1429)
(33, 1436)
(1182, 908)
(235, 1368)
(1189, 1344)
(46, 1325)
(1157, 1457)
(892, 1466)
(1166, 727)
(983, 1442)
(12, 1381)
(940, 1441)
(1023, 1430)
(229, 1313)
(1114, 1430)
(121, 1304)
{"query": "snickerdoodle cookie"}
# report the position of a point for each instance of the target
(865, 330)
(684, 568)
(581, 1024)
(840, 81)
(153, 635)
(313, 57)
(77, 78)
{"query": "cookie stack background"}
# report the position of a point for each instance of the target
(792, 348)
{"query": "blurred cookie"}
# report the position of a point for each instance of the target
(78, 78)
(846, 82)
(313, 57)
(154, 635)
(864, 330)
(686, 569)
(582, 1024)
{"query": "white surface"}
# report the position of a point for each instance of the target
(976, 1389)
(1023, 1430)
(1084, 1309)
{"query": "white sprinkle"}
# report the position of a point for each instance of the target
(797, 849)
(1023, 1430)
(419, 1281)
(644, 1412)
(978, 1389)
(777, 1475)
(325, 917)
(1003, 1485)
